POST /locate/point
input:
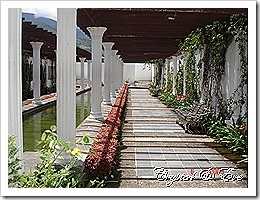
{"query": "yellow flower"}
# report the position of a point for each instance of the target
(14, 143)
(75, 151)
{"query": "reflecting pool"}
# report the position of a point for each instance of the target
(35, 124)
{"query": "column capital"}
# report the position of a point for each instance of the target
(82, 59)
(36, 44)
(114, 52)
(108, 45)
(96, 32)
(89, 61)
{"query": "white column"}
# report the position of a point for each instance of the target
(108, 65)
(36, 71)
(89, 70)
(117, 73)
(167, 65)
(82, 72)
(48, 64)
(113, 73)
(96, 97)
(15, 77)
(174, 74)
(153, 72)
(66, 74)
(184, 75)
(121, 72)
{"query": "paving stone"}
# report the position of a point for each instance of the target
(152, 139)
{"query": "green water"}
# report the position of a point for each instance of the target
(35, 124)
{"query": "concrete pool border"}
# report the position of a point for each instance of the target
(33, 108)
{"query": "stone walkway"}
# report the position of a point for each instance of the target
(152, 139)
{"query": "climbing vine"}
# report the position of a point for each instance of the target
(239, 31)
(159, 64)
(191, 78)
(26, 77)
(213, 41)
(169, 76)
(179, 79)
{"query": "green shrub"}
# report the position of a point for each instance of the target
(47, 173)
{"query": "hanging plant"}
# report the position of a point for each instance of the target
(239, 28)
(179, 79)
(169, 77)
(213, 41)
(26, 77)
(158, 63)
(191, 78)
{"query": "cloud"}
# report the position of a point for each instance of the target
(42, 12)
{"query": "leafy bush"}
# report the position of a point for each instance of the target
(233, 136)
(14, 165)
(49, 174)
(101, 159)
(174, 101)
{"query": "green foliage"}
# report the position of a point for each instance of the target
(159, 63)
(213, 41)
(26, 77)
(173, 101)
(179, 79)
(233, 136)
(154, 90)
(169, 77)
(14, 163)
(191, 78)
(238, 98)
(47, 173)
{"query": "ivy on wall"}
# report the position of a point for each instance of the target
(191, 78)
(159, 64)
(169, 76)
(213, 41)
(27, 77)
(179, 79)
(27, 93)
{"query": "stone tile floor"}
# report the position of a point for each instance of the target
(151, 138)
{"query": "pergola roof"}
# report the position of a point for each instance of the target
(141, 34)
(32, 33)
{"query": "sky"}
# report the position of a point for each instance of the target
(42, 12)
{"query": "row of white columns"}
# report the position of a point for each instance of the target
(176, 61)
(66, 82)
(113, 78)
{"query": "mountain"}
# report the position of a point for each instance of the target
(83, 41)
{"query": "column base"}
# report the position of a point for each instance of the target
(48, 83)
(108, 103)
(37, 101)
(97, 116)
(113, 95)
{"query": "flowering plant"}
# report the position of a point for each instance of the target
(47, 173)
(100, 160)
(181, 97)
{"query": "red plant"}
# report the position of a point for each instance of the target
(240, 127)
(182, 97)
(101, 162)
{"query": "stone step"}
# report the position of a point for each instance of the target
(171, 144)
(148, 183)
(129, 133)
(130, 174)
(169, 139)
